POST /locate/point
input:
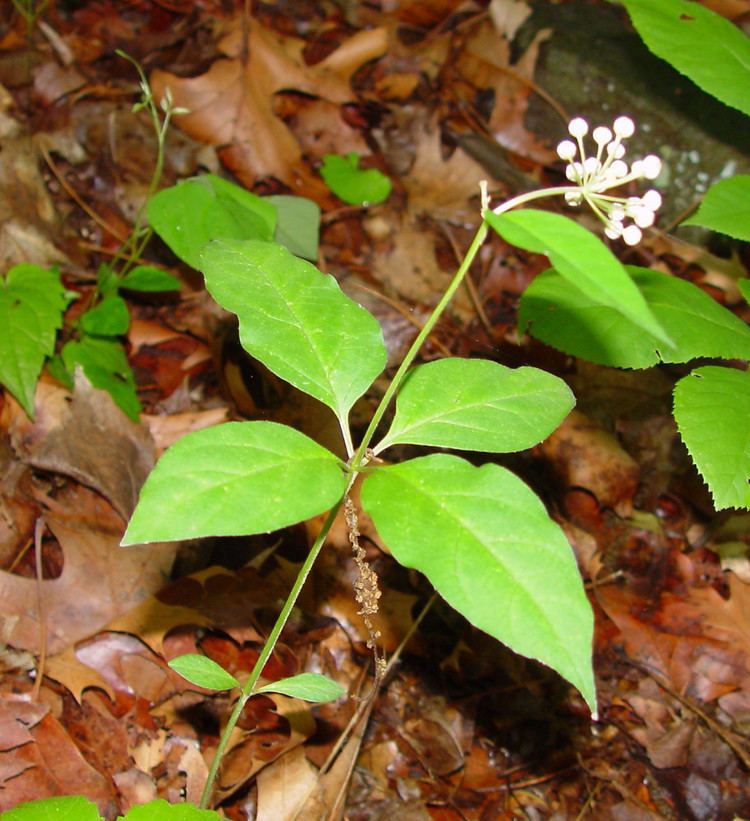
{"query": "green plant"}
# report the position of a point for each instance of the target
(480, 535)
(712, 403)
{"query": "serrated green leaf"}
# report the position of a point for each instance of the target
(486, 543)
(712, 411)
(160, 810)
(306, 686)
(32, 302)
(204, 208)
(700, 44)
(106, 366)
(726, 208)
(235, 479)
(565, 317)
(109, 318)
(60, 808)
(203, 671)
(296, 320)
(352, 184)
(149, 279)
(297, 225)
(475, 404)
(581, 258)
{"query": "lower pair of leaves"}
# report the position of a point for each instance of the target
(479, 534)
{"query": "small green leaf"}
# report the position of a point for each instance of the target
(297, 225)
(61, 808)
(109, 318)
(160, 810)
(712, 411)
(204, 208)
(572, 321)
(235, 479)
(203, 671)
(475, 404)
(32, 302)
(726, 208)
(700, 44)
(581, 258)
(106, 366)
(744, 286)
(306, 686)
(352, 184)
(296, 320)
(149, 279)
(486, 543)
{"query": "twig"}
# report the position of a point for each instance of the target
(41, 610)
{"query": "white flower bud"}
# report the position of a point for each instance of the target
(573, 197)
(632, 235)
(651, 167)
(602, 135)
(616, 150)
(644, 217)
(578, 127)
(618, 169)
(652, 199)
(624, 127)
(636, 169)
(566, 150)
(591, 165)
(613, 231)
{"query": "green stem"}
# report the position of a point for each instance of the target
(458, 277)
(268, 648)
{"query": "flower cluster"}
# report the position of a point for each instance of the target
(593, 176)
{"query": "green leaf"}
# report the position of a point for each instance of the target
(149, 279)
(160, 810)
(475, 404)
(235, 479)
(712, 411)
(700, 44)
(744, 286)
(352, 184)
(297, 224)
(486, 543)
(203, 671)
(569, 319)
(32, 302)
(726, 208)
(581, 258)
(106, 366)
(296, 320)
(60, 808)
(306, 686)
(109, 318)
(107, 281)
(204, 208)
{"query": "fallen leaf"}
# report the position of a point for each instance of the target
(88, 438)
(99, 579)
(232, 104)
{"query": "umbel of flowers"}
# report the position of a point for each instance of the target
(595, 174)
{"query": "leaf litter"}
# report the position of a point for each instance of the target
(461, 729)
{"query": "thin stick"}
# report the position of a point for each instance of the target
(41, 610)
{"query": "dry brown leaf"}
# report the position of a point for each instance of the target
(89, 439)
(440, 187)
(99, 579)
(166, 430)
(585, 455)
(232, 104)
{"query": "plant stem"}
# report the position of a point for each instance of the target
(268, 648)
(458, 277)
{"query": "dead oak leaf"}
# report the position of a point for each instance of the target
(231, 105)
